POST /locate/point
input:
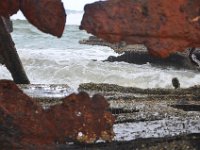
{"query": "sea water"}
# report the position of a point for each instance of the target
(51, 60)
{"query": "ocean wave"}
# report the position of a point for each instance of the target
(48, 70)
(73, 68)
(60, 67)
(50, 60)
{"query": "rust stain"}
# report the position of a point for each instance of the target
(78, 118)
(164, 26)
(47, 15)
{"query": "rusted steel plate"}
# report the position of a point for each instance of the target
(164, 26)
(8, 7)
(47, 15)
(79, 118)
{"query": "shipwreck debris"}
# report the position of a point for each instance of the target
(138, 54)
(38, 13)
(146, 118)
(47, 15)
(164, 27)
(8, 8)
(78, 118)
(9, 55)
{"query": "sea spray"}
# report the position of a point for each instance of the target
(49, 60)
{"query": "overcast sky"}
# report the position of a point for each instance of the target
(76, 4)
(69, 4)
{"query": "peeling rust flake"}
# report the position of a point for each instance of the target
(47, 15)
(8, 7)
(79, 118)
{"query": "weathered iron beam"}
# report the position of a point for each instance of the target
(79, 118)
(10, 56)
(47, 15)
(40, 14)
(164, 26)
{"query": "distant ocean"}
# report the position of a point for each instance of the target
(49, 60)
(73, 17)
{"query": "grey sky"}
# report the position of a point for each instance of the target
(76, 4)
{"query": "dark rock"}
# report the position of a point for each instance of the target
(177, 60)
(183, 142)
(175, 83)
(119, 47)
(138, 54)
(194, 56)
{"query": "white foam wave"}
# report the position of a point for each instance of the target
(19, 16)
(65, 67)
(5, 74)
(58, 61)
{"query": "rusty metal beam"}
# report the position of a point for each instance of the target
(79, 118)
(164, 26)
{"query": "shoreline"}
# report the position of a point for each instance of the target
(138, 54)
(169, 110)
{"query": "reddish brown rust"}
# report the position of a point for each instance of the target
(78, 118)
(47, 15)
(8, 7)
(164, 26)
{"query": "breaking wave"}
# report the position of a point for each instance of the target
(50, 60)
